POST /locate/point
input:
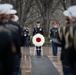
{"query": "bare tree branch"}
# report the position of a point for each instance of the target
(56, 6)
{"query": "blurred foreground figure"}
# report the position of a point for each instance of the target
(7, 48)
(15, 31)
(65, 52)
(71, 41)
(66, 39)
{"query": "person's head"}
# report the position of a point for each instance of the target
(72, 11)
(14, 18)
(67, 15)
(38, 23)
(11, 14)
(55, 24)
(3, 10)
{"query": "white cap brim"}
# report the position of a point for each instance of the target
(5, 7)
(74, 14)
(11, 11)
(3, 11)
(66, 13)
(72, 10)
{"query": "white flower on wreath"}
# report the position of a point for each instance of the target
(38, 40)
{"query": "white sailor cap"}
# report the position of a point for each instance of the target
(12, 11)
(3, 11)
(16, 18)
(5, 7)
(67, 13)
(72, 10)
(9, 6)
(74, 14)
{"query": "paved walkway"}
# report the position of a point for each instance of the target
(47, 51)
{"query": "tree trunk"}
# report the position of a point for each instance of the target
(46, 23)
(73, 2)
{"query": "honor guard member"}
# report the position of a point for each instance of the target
(10, 16)
(71, 41)
(36, 30)
(18, 33)
(27, 37)
(53, 34)
(27, 42)
(7, 56)
(26, 30)
(65, 52)
(15, 33)
(62, 32)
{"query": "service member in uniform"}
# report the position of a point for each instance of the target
(62, 31)
(7, 50)
(71, 43)
(18, 34)
(53, 34)
(64, 51)
(36, 30)
(26, 30)
(27, 43)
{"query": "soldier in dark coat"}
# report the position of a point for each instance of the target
(53, 34)
(71, 41)
(17, 32)
(27, 37)
(36, 30)
(62, 31)
(17, 35)
(27, 43)
(8, 57)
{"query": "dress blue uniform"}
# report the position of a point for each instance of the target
(53, 34)
(72, 48)
(36, 31)
(62, 32)
(18, 39)
(26, 37)
(27, 43)
(11, 40)
(65, 52)
(7, 51)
